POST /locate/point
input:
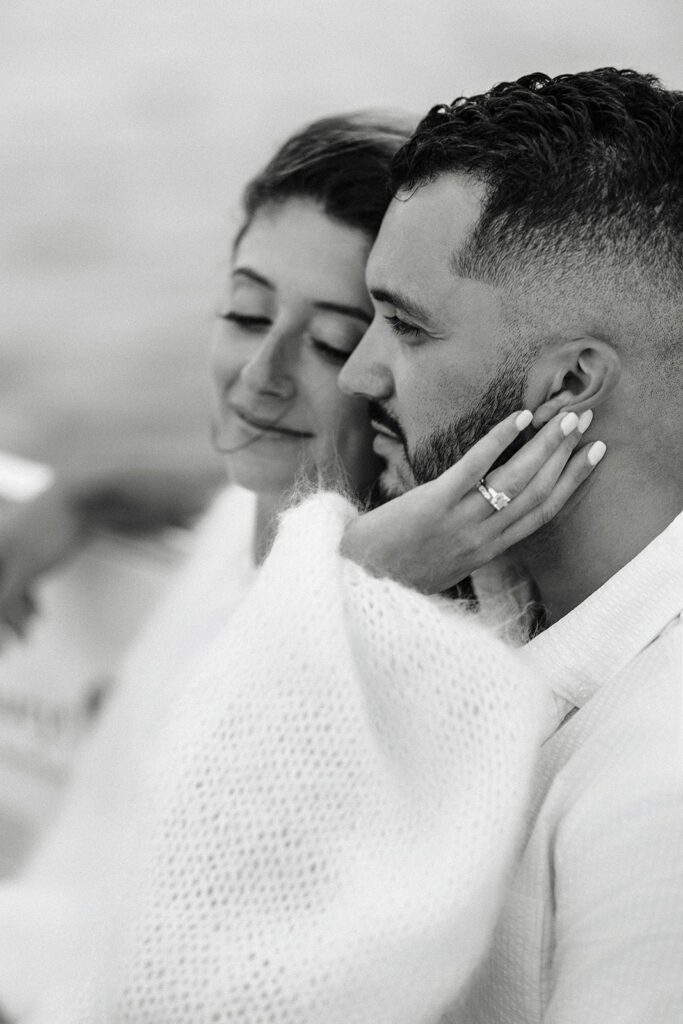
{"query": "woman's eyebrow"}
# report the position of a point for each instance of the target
(253, 276)
(332, 307)
(402, 302)
(339, 307)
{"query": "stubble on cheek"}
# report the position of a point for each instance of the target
(448, 441)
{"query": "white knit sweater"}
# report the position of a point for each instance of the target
(326, 821)
(50, 913)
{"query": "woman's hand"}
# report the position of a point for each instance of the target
(36, 537)
(46, 531)
(435, 535)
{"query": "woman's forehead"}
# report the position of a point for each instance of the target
(296, 247)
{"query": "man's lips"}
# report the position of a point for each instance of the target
(268, 426)
(384, 423)
(381, 428)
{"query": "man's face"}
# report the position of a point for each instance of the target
(437, 361)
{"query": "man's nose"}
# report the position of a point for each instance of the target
(367, 372)
(270, 371)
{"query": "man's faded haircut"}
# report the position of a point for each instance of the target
(583, 178)
(582, 161)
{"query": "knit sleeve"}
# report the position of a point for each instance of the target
(334, 806)
(54, 911)
(618, 855)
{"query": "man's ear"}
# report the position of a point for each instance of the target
(572, 376)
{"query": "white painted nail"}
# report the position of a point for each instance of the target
(585, 420)
(596, 452)
(524, 419)
(569, 423)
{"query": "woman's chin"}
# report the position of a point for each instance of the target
(262, 475)
(266, 468)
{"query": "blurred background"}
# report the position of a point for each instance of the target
(128, 129)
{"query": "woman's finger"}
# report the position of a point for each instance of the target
(577, 470)
(468, 470)
(556, 440)
(537, 489)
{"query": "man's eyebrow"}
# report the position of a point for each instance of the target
(403, 302)
(253, 276)
(340, 307)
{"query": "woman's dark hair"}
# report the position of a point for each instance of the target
(340, 162)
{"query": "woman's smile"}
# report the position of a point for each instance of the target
(268, 425)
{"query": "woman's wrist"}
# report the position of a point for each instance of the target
(376, 542)
(359, 545)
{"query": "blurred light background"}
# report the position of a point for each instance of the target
(128, 129)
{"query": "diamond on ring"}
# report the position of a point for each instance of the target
(497, 499)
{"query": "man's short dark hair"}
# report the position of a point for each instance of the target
(582, 161)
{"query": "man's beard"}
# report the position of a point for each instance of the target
(446, 445)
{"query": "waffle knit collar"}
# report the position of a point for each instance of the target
(598, 638)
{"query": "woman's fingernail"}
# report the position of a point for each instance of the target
(524, 419)
(569, 423)
(596, 452)
(585, 420)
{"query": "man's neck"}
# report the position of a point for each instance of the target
(579, 551)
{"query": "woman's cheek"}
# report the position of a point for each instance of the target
(353, 441)
(225, 363)
(333, 406)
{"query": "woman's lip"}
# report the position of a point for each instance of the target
(270, 428)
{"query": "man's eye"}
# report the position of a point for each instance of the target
(337, 355)
(400, 326)
(248, 323)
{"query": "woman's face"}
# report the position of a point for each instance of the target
(296, 307)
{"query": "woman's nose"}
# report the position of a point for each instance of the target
(270, 369)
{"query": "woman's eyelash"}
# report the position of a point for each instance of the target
(400, 326)
(329, 351)
(241, 320)
(255, 323)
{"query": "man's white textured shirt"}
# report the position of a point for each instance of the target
(592, 931)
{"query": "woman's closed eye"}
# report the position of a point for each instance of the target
(329, 351)
(246, 321)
